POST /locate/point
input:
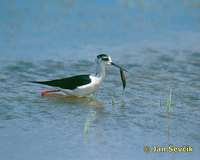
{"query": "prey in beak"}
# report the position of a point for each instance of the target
(121, 73)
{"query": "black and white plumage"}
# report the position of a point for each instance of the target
(82, 85)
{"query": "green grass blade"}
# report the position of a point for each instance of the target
(113, 101)
(87, 122)
(169, 101)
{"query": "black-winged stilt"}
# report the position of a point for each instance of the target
(82, 85)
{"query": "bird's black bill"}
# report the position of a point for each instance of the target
(118, 66)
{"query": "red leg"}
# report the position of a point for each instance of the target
(43, 92)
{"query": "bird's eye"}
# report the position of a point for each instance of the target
(105, 59)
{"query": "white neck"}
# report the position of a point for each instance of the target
(100, 70)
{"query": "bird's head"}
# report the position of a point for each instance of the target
(106, 60)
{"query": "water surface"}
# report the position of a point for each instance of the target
(157, 42)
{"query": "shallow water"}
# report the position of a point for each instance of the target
(160, 50)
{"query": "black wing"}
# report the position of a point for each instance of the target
(68, 83)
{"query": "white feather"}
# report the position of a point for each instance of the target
(84, 90)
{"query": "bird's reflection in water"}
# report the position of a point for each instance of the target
(88, 101)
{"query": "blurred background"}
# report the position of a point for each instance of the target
(157, 41)
(50, 27)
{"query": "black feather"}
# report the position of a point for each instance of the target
(67, 83)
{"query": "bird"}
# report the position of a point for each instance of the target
(82, 85)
